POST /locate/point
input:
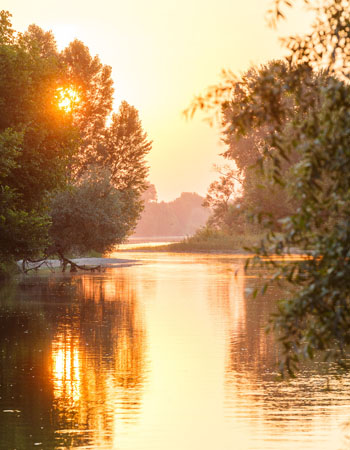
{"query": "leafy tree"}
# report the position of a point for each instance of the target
(6, 31)
(221, 196)
(247, 188)
(36, 142)
(315, 315)
(93, 83)
(104, 201)
(123, 149)
(92, 215)
(41, 42)
(246, 148)
(21, 231)
(115, 152)
(54, 161)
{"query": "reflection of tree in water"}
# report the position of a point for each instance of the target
(251, 383)
(252, 350)
(26, 390)
(245, 319)
(88, 331)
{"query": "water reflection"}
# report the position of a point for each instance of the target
(94, 368)
(169, 354)
(298, 410)
(66, 367)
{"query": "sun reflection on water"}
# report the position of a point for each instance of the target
(66, 368)
(98, 368)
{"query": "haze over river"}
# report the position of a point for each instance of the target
(168, 353)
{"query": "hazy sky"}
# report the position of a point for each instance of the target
(163, 53)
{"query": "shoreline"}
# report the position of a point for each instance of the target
(170, 249)
(115, 262)
(88, 262)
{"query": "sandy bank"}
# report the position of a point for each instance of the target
(89, 262)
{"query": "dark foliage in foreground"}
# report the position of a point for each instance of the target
(309, 133)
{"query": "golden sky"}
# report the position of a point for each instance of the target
(162, 53)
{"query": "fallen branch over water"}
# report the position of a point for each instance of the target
(74, 267)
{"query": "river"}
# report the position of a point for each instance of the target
(168, 353)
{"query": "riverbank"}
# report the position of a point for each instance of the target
(184, 247)
(207, 240)
(89, 262)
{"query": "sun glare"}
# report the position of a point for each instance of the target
(67, 99)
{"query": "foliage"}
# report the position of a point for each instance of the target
(220, 197)
(123, 149)
(39, 42)
(92, 215)
(55, 159)
(6, 30)
(209, 240)
(68, 181)
(93, 83)
(246, 188)
(110, 163)
(36, 142)
(103, 202)
(316, 315)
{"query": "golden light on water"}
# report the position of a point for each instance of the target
(66, 368)
(67, 99)
(97, 366)
(175, 344)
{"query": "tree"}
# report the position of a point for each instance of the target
(36, 142)
(93, 83)
(246, 187)
(41, 42)
(58, 152)
(20, 231)
(123, 149)
(6, 30)
(108, 174)
(315, 315)
(104, 201)
(92, 215)
(221, 196)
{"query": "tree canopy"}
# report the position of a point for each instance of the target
(36, 142)
(92, 215)
(59, 155)
(309, 134)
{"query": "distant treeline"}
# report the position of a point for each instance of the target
(181, 217)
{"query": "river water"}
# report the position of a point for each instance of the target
(169, 353)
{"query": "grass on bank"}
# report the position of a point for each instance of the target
(207, 239)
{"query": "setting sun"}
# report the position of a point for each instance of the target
(67, 99)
